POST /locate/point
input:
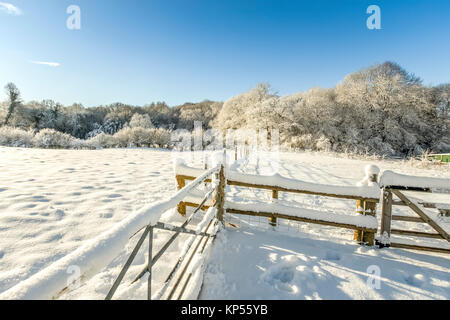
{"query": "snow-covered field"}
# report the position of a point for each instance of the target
(54, 201)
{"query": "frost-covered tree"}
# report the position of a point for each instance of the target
(13, 94)
(233, 114)
(188, 113)
(140, 121)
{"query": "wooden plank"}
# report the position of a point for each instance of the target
(301, 219)
(273, 220)
(408, 188)
(360, 209)
(324, 194)
(386, 212)
(181, 183)
(421, 248)
(417, 234)
(365, 208)
(422, 214)
(190, 178)
(423, 204)
(195, 205)
(276, 188)
(221, 194)
(408, 219)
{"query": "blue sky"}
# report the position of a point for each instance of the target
(137, 52)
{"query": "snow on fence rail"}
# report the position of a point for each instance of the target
(359, 222)
(392, 179)
(98, 252)
(367, 196)
(279, 183)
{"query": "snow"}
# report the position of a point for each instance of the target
(57, 204)
(368, 222)
(389, 178)
(98, 252)
(278, 181)
(248, 263)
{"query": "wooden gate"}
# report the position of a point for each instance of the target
(410, 184)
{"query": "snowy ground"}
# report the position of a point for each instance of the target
(53, 201)
(249, 263)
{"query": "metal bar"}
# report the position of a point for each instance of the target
(204, 245)
(187, 264)
(150, 255)
(168, 227)
(171, 274)
(185, 286)
(172, 239)
(127, 264)
(195, 211)
(190, 274)
(175, 268)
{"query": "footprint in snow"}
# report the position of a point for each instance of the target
(114, 195)
(416, 280)
(40, 199)
(334, 256)
(55, 237)
(60, 213)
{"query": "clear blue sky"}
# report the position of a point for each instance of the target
(188, 50)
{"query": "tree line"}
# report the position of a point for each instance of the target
(382, 109)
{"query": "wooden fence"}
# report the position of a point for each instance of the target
(421, 216)
(366, 205)
(366, 201)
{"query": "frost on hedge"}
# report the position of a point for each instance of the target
(50, 138)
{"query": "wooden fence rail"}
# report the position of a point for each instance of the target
(366, 201)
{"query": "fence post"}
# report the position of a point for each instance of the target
(371, 210)
(221, 194)
(181, 206)
(386, 217)
(360, 209)
(273, 220)
(367, 208)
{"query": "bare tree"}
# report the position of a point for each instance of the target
(14, 99)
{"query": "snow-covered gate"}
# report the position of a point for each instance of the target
(178, 278)
(366, 196)
(394, 184)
